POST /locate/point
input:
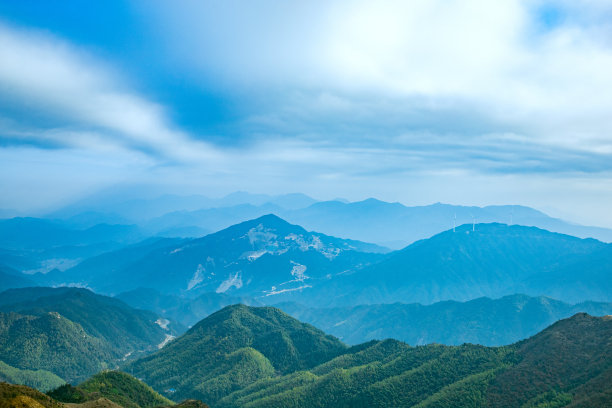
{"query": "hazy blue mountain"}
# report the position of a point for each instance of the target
(389, 224)
(191, 223)
(184, 310)
(135, 203)
(231, 349)
(493, 261)
(263, 258)
(121, 329)
(40, 245)
(232, 210)
(395, 225)
(287, 201)
(585, 277)
(37, 233)
(97, 268)
(117, 205)
(20, 260)
(490, 322)
(10, 278)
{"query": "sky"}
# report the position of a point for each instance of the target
(465, 102)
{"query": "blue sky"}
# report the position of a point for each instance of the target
(467, 102)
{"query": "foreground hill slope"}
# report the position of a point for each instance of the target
(108, 389)
(573, 356)
(490, 322)
(568, 364)
(231, 349)
(116, 386)
(21, 396)
(41, 380)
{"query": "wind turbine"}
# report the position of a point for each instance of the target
(455, 223)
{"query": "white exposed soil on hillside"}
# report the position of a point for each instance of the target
(197, 277)
(234, 280)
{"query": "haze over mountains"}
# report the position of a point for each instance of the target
(388, 224)
(490, 322)
(85, 297)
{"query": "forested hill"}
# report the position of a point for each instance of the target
(73, 332)
(568, 364)
(233, 348)
(261, 357)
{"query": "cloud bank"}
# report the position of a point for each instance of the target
(406, 100)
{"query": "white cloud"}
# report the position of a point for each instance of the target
(47, 75)
(495, 58)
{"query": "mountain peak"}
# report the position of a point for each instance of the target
(251, 342)
(267, 221)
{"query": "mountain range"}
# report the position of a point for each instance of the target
(387, 224)
(261, 357)
(468, 310)
(472, 261)
(264, 257)
(268, 260)
(490, 322)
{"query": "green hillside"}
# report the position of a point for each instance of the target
(231, 349)
(125, 329)
(21, 396)
(118, 387)
(42, 380)
(260, 357)
(72, 332)
(109, 389)
(51, 342)
(568, 364)
(573, 356)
